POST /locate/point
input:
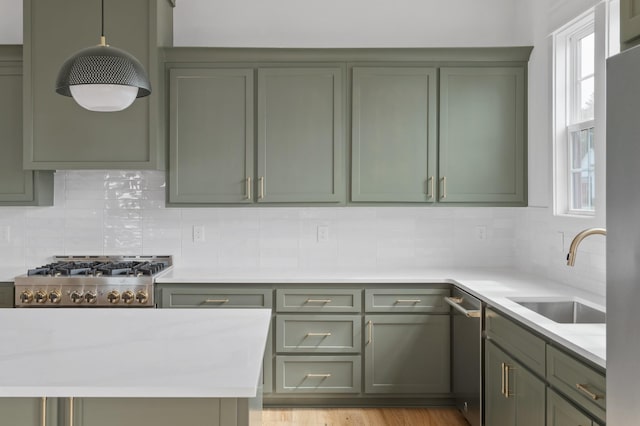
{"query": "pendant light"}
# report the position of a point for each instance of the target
(103, 78)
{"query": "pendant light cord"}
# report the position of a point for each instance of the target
(103, 40)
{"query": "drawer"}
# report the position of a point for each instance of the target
(519, 342)
(318, 374)
(318, 333)
(216, 298)
(418, 300)
(581, 383)
(319, 300)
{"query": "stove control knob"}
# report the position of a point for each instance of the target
(26, 296)
(41, 296)
(76, 297)
(55, 296)
(113, 297)
(90, 297)
(127, 297)
(142, 297)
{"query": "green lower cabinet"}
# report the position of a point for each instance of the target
(162, 412)
(561, 413)
(407, 354)
(6, 295)
(317, 374)
(28, 411)
(513, 396)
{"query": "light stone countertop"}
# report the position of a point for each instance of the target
(191, 353)
(495, 286)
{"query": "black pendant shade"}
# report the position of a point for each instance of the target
(102, 65)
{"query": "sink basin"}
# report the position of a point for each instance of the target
(566, 312)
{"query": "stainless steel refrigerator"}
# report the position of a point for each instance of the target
(623, 238)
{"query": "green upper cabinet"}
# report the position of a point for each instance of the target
(17, 186)
(482, 135)
(629, 23)
(300, 135)
(211, 135)
(393, 134)
(59, 134)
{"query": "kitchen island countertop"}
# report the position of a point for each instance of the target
(172, 353)
(497, 287)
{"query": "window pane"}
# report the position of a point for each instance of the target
(586, 99)
(587, 55)
(582, 176)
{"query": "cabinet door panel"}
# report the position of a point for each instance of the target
(58, 133)
(300, 135)
(562, 413)
(17, 186)
(499, 410)
(211, 135)
(629, 22)
(26, 411)
(407, 353)
(393, 134)
(482, 140)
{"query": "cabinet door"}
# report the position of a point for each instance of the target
(513, 395)
(59, 134)
(629, 22)
(300, 135)
(499, 410)
(27, 411)
(211, 136)
(407, 354)
(561, 413)
(148, 411)
(482, 135)
(393, 134)
(17, 186)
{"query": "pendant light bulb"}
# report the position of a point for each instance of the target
(103, 78)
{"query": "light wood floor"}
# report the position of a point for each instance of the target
(362, 417)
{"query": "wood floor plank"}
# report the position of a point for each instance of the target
(362, 417)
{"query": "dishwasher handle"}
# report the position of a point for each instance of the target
(455, 303)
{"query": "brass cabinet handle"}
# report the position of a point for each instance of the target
(216, 301)
(506, 380)
(585, 389)
(71, 411)
(248, 188)
(318, 301)
(318, 334)
(370, 326)
(444, 188)
(323, 375)
(408, 300)
(502, 366)
(261, 187)
(43, 411)
(430, 193)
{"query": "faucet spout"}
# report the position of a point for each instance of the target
(573, 248)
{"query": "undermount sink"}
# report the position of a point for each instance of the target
(566, 311)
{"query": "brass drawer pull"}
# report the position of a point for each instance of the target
(43, 411)
(370, 326)
(318, 334)
(456, 303)
(312, 375)
(585, 389)
(444, 188)
(261, 188)
(507, 369)
(430, 190)
(502, 369)
(408, 300)
(71, 411)
(248, 189)
(318, 301)
(216, 301)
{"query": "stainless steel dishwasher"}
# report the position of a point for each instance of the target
(467, 354)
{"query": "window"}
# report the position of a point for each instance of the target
(580, 50)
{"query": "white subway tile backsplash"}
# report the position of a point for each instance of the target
(123, 212)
